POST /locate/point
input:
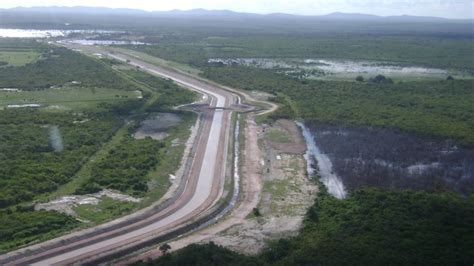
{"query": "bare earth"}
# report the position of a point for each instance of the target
(286, 195)
(282, 194)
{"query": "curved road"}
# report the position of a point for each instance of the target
(202, 189)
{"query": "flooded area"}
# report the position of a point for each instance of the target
(10, 90)
(82, 37)
(28, 105)
(314, 157)
(104, 42)
(52, 33)
(333, 69)
(155, 127)
(22, 33)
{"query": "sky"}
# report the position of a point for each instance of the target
(437, 8)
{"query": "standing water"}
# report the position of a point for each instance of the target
(328, 177)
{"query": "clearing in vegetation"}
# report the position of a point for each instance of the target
(68, 98)
(17, 57)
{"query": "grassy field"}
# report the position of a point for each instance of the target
(67, 98)
(278, 136)
(105, 210)
(18, 57)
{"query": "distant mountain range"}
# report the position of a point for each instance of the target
(221, 13)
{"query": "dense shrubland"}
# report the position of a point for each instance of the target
(433, 51)
(370, 227)
(126, 167)
(29, 165)
(22, 226)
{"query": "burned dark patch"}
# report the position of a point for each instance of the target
(380, 157)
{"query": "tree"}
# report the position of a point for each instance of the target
(381, 79)
(165, 248)
(256, 212)
(360, 79)
(450, 78)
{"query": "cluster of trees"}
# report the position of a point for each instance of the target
(376, 79)
(370, 227)
(126, 167)
(439, 108)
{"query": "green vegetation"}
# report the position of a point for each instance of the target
(126, 166)
(378, 227)
(427, 51)
(25, 226)
(59, 66)
(159, 60)
(435, 108)
(78, 141)
(71, 97)
(276, 135)
(30, 162)
(17, 57)
(202, 255)
(105, 210)
(371, 227)
(169, 94)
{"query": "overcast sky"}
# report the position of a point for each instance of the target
(439, 8)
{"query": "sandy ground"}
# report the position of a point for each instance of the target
(66, 204)
(156, 125)
(296, 145)
(285, 197)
